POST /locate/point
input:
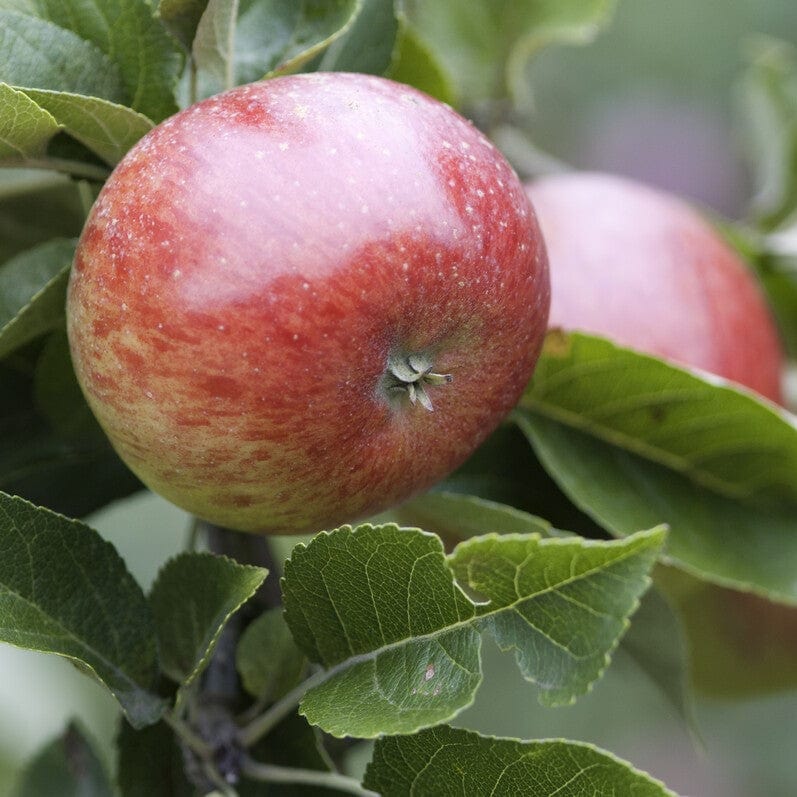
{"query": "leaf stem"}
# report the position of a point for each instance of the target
(86, 199)
(271, 773)
(185, 732)
(74, 168)
(193, 92)
(260, 726)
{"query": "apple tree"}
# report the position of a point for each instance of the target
(616, 497)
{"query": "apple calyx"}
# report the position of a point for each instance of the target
(410, 374)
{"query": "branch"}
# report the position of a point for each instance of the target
(271, 773)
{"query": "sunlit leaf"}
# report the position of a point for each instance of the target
(451, 762)
(380, 608)
(635, 442)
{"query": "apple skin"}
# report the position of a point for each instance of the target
(643, 268)
(256, 261)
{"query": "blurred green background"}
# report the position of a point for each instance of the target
(653, 98)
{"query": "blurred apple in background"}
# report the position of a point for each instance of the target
(642, 268)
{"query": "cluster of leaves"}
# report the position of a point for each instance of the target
(382, 628)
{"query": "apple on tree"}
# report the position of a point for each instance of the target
(306, 299)
(644, 269)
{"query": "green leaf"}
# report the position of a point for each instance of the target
(449, 762)
(369, 43)
(379, 606)
(36, 206)
(416, 63)
(67, 767)
(33, 293)
(193, 597)
(560, 604)
(267, 658)
(116, 50)
(712, 537)
(59, 397)
(25, 127)
(769, 97)
(486, 44)
(181, 17)
(778, 277)
(151, 763)
(64, 590)
(55, 461)
(657, 644)
(213, 45)
(38, 53)
(505, 470)
(106, 128)
(721, 438)
(635, 442)
(280, 36)
(740, 645)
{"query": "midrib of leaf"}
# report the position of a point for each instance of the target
(361, 658)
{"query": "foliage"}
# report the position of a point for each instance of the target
(546, 540)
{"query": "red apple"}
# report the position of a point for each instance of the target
(304, 300)
(645, 269)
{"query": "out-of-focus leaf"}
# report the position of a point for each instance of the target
(416, 63)
(64, 590)
(181, 17)
(740, 645)
(38, 53)
(656, 643)
(151, 763)
(193, 597)
(116, 50)
(280, 36)
(635, 441)
(67, 767)
(454, 517)
(33, 293)
(213, 47)
(267, 658)
(400, 637)
(36, 206)
(486, 44)
(106, 128)
(504, 469)
(51, 462)
(368, 44)
(25, 128)
(451, 762)
(58, 395)
(779, 278)
(769, 97)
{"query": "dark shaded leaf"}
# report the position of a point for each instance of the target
(67, 767)
(64, 590)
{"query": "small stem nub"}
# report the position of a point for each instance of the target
(411, 374)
